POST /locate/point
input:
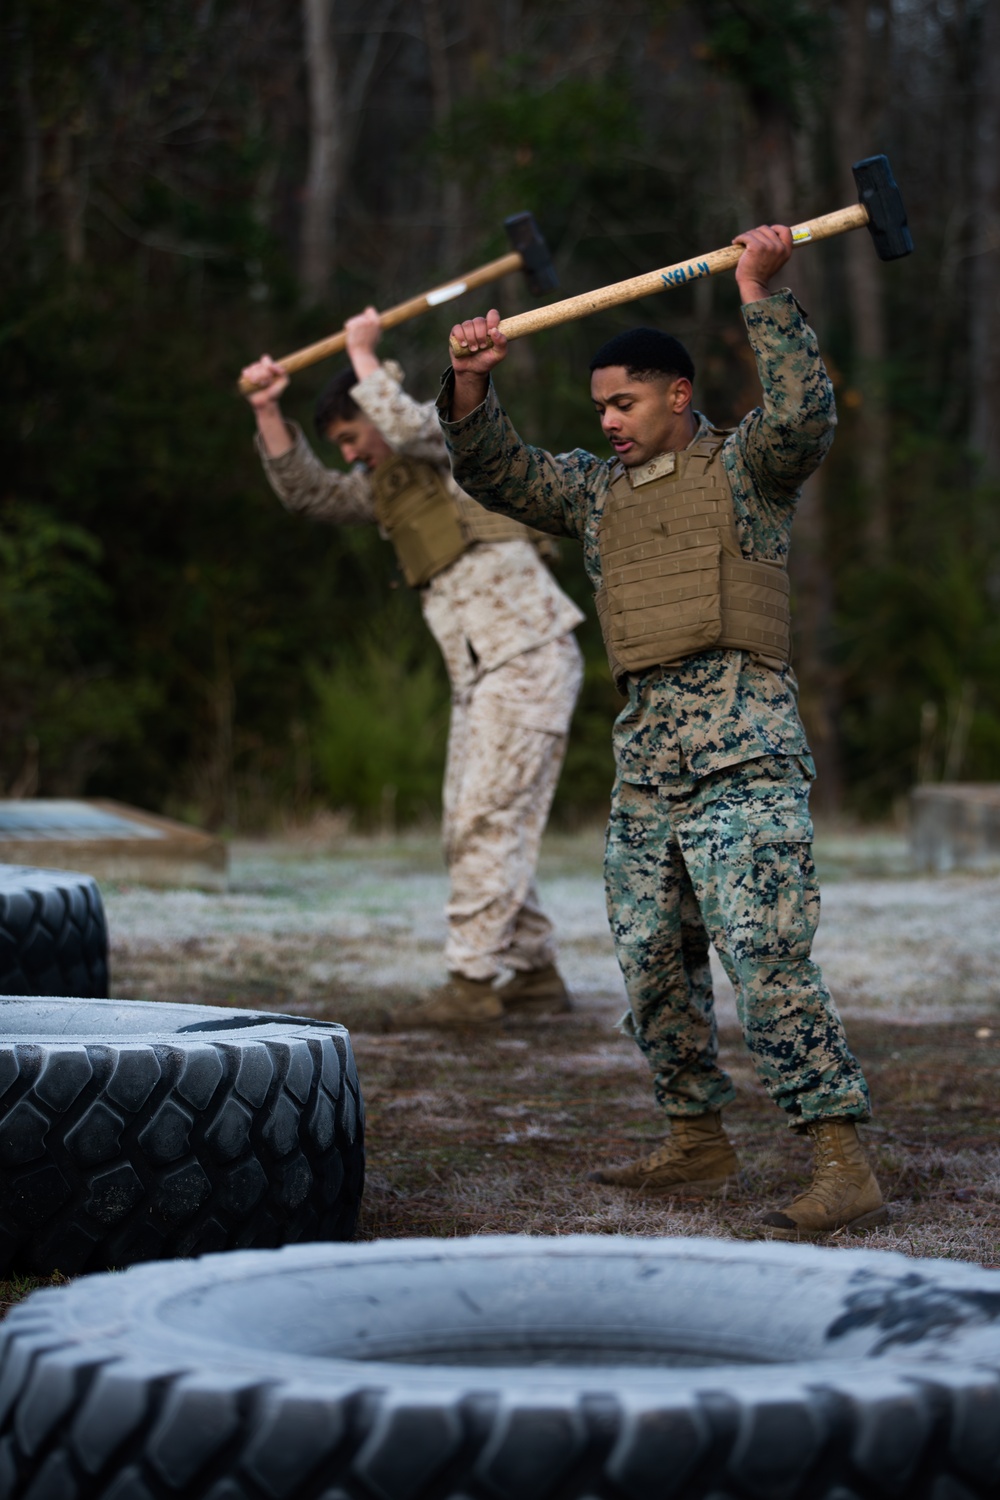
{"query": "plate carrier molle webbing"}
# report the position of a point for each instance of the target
(674, 579)
(428, 525)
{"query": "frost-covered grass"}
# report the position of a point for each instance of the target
(356, 928)
(495, 1132)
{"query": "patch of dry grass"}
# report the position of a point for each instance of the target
(14, 1289)
(477, 1134)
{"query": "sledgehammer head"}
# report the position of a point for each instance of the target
(878, 192)
(526, 238)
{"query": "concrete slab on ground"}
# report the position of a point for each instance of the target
(955, 826)
(111, 841)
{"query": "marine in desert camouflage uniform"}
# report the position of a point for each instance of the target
(505, 631)
(709, 838)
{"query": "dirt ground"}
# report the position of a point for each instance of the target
(495, 1133)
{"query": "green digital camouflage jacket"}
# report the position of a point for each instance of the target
(718, 708)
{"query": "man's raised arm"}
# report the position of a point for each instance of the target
(409, 427)
(301, 482)
(787, 438)
(489, 460)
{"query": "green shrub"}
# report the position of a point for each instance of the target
(61, 702)
(379, 732)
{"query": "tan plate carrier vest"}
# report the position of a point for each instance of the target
(428, 525)
(675, 581)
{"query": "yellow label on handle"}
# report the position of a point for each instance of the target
(800, 235)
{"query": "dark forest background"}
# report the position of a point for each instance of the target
(194, 181)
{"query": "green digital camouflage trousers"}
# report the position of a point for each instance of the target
(727, 858)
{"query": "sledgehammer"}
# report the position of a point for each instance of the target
(880, 209)
(529, 254)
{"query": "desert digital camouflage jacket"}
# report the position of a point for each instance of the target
(497, 601)
(718, 708)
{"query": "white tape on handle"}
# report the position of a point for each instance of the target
(446, 293)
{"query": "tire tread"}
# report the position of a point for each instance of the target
(109, 1167)
(53, 934)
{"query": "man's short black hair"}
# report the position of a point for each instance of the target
(335, 403)
(645, 353)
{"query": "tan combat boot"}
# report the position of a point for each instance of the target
(843, 1192)
(457, 1002)
(696, 1160)
(535, 992)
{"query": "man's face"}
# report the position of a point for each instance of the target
(642, 418)
(359, 441)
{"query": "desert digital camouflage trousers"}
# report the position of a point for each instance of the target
(727, 858)
(506, 746)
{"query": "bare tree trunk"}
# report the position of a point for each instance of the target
(354, 95)
(984, 330)
(857, 121)
(772, 154)
(442, 102)
(819, 697)
(814, 591)
(323, 175)
(220, 778)
(71, 179)
(32, 158)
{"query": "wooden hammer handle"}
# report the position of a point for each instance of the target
(401, 313)
(668, 276)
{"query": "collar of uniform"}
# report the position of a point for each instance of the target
(665, 463)
(655, 468)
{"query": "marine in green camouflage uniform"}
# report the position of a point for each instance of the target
(709, 837)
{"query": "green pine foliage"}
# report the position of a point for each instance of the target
(60, 707)
(380, 725)
(171, 636)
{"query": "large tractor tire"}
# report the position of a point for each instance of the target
(585, 1368)
(53, 934)
(132, 1131)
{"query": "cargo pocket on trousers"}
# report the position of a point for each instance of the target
(787, 896)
